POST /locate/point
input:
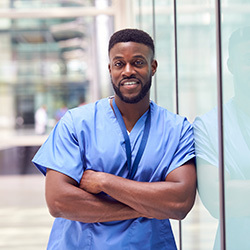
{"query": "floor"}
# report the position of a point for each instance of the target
(25, 221)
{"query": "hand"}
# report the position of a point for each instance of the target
(90, 181)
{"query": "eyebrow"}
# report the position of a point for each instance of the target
(136, 56)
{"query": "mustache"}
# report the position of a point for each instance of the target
(129, 77)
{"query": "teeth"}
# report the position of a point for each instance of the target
(129, 83)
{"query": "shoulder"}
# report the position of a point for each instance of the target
(170, 125)
(162, 114)
(210, 118)
(208, 123)
(85, 118)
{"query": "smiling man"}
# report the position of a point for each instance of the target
(133, 75)
(117, 170)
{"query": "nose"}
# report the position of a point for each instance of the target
(128, 70)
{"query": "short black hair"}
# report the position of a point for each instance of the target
(131, 35)
(239, 36)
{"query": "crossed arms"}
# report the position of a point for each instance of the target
(127, 199)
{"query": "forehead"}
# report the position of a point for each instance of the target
(130, 49)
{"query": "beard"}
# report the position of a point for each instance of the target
(136, 98)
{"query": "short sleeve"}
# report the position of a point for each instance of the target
(185, 150)
(204, 148)
(61, 151)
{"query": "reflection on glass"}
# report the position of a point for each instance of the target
(236, 149)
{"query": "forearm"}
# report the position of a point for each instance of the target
(172, 198)
(88, 208)
(70, 202)
(156, 199)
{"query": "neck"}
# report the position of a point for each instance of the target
(131, 113)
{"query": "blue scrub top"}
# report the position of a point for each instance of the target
(89, 137)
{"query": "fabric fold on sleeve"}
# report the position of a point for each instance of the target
(61, 151)
(185, 150)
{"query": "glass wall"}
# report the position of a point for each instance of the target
(197, 95)
(235, 136)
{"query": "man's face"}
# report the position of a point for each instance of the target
(240, 67)
(131, 69)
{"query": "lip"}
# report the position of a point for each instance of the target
(129, 82)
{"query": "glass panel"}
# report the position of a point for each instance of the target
(165, 54)
(236, 89)
(197, 96)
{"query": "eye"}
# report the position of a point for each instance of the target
(118, 64)
(139, 63)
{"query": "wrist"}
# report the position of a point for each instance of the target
(103, 180)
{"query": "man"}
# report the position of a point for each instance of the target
(236, 120)
(41, 120)
(118, 169)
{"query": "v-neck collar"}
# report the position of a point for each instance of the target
(136, 130)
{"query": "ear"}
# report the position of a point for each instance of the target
(154, 66)
(110, 73)
(109, 67)
(230, 65)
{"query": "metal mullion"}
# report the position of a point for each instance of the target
(220, 125)
(176, 59)
(154, 37)
(176, 90)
